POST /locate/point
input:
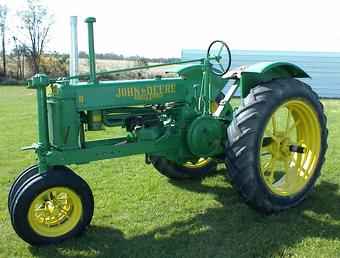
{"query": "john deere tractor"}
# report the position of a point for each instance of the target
(273, 144)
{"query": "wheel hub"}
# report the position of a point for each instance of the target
(55, 212)
(50, 207)
(280, 146)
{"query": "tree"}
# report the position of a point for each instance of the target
(3, 16)
(36, 24)
(19, 52)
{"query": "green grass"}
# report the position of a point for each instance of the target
(139, 213)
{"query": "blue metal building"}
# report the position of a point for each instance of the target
(323, 67)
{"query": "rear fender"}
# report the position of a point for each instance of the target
(267, 71)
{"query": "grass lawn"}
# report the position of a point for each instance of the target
(139, 213)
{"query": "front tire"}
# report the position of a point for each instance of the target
(52, 207)
(19, 181)
(276, 144)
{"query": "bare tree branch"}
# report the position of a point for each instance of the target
(36, 23)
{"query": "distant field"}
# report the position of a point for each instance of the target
(139, 213)
(105, 64)
(101, 65)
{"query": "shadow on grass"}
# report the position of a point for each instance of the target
(232, 230)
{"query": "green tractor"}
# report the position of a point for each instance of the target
(273, 144)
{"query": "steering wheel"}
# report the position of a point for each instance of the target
(219, 57)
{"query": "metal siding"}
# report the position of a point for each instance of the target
(324, 68)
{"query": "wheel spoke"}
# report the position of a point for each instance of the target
(274, 124)
(291, 176)
(288, 121)
(220, 51)
(294, 125)
(287, 169)
(269, 167)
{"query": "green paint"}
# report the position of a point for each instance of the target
(92, 55)
(169, 117)
(267, 71)
(205, 135)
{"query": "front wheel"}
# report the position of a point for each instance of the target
(277, 144)
(52, 207)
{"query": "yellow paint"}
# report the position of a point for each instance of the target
(199, 164)
(51, 90)
(81, 100)
(287, 173)
(96, 118)
(214, 106)
(55, 212)
(146, 92)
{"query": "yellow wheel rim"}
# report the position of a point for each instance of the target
(55, 212)
(199, 164)
(290, 148)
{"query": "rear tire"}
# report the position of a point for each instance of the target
(175, 171)
(253, 158)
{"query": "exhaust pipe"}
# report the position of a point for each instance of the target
(74, 56)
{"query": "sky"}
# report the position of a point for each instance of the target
(156, 28)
